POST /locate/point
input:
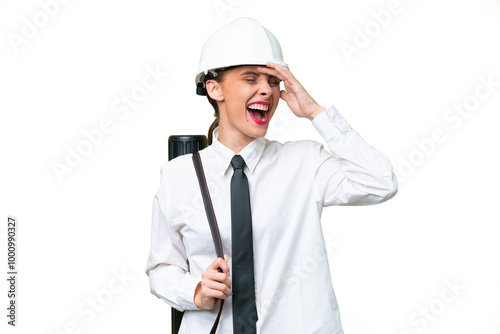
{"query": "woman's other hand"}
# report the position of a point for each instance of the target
(214, 285)
(297, 98)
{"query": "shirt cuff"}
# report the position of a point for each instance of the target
(185, 293)
(330, 123)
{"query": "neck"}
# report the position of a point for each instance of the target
(234, 140)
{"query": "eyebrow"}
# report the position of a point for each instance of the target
(250, 72)
(257, 74)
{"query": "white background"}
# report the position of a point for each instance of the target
(390, 263)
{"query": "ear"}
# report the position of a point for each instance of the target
(214, 90)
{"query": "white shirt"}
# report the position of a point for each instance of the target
(289, 185)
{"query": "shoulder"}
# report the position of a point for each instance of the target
(177, 164)
(182, 165)
(297, 155)
(294, 148)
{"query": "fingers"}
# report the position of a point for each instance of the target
(213, 287)
(212, 272)
(272, 72)
(215, 284)
(215, 276)
(285, 96)
(281, 72)
(220, 263)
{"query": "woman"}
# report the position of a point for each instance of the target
(240, 71)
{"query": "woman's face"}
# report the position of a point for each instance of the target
(247, 102)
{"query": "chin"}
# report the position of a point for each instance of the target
(259, 133)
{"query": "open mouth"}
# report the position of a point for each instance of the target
(259, 112)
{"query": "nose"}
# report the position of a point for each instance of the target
(264, 87)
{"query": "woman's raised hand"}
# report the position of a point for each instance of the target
(214, 285)
(297, 98)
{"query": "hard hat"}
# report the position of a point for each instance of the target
(242, 42)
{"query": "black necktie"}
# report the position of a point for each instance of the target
(244, 310)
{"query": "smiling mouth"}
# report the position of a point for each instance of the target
(259, 112)
(258, 115)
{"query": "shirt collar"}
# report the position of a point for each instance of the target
(250, 153)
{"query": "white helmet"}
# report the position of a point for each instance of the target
(242, 42)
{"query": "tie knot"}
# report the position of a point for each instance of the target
(237, 162)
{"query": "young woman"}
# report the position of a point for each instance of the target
(241, 68)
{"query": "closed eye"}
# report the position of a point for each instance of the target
(274, 82)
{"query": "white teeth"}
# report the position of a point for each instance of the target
(259, 106)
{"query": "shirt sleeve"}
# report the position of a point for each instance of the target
(354, 173)
(168, 266)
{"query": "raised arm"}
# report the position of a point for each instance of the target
(356, 173)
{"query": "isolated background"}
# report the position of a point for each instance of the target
(390, 263)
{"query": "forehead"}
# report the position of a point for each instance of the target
(247, 70)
